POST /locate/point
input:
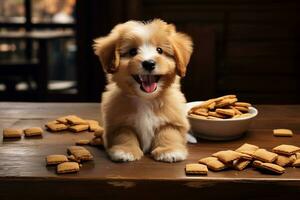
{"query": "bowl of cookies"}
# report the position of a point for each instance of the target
(222, 118)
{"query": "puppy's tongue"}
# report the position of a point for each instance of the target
(148, 83)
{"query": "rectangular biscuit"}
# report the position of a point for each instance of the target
(285, 160)
(213, 163)
(62, 120)
(75, 120)
(240, 164)
(67, 167)
(83, 155)
(237, 112)
(215, 114)
(196, 169)
(273, 168)
(201, 111)
(242, 109)
(197, 116)
(264, 155)
(54, 127)
(93, 125)
(82, 142)
(99, 132)
(247, 149)
(33, 131)
(227, 156)
(285, 149)
(257, 163)
(283, 132)
(56, 159)
(242, 104)
(296, 163)
(228, 112)
(79, 128)
(96, 141)
(204, 104)
(12, 133)
(225, 102)
(72, 149)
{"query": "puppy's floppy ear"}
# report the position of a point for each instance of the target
(107, 51)
(183, 47)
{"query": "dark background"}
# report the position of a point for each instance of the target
(246, 47)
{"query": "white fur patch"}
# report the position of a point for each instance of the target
(145, 121)
(119, 155)
(172, 156)
(147, 51)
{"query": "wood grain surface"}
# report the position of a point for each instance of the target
(23, 173)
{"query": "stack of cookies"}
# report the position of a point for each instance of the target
(248, 154)
(71, 163)
(73, 123)
(97, 140)
(223, 107)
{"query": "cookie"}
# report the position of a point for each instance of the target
(83, 155)
(33, 131)
(227, 156)
(285, 160)
(225, 102)
(285, 149)
(283, 132)
(72, 149)
(93, 125)
(54, 126)
(82, 142)
(242, 109)
(242, 104)
(201, 111)
(272, 168)
(229, 96)
(215, 114)
(196, 169)
(75, 120)
(197, 116)
(228, 112)
(257, 163)
(248, 149)
(264, 155)
(213, 163)
(99, 132)
(12, 133)
(63, 119)
(240, 164)
(67, 167)
(237, 112)
(296, 163)
(79, 128)
(96, 141)
(56, 159)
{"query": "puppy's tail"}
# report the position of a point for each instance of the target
(191, 139)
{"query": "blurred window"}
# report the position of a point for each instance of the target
(53, 11)
(12, 11)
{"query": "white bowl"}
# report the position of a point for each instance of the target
(219, 129)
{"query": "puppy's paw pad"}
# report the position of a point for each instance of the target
(170, 156)
(121, 156)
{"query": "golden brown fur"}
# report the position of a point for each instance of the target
(136, 121)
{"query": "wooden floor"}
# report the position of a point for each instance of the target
(23, 174)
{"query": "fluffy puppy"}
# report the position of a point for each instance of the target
(143, 108)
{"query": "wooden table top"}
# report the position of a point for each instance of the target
(24, 160)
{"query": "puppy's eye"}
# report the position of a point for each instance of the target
(133, 51)
(159, 50)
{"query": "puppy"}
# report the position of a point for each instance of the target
(143, 108)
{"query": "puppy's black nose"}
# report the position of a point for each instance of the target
(148, 65)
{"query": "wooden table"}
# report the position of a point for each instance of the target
(43, 38)
(23, 174)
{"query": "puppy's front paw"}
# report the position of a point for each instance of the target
(122, 155)
(166, 154)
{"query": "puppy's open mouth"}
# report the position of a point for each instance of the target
(148, 83)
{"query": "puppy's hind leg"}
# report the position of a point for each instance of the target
(169, 145)
(124, 146)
